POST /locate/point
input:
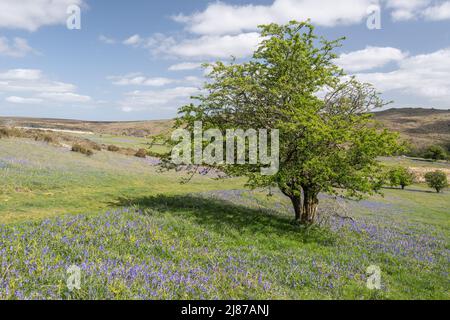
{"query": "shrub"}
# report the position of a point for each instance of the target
(436, 153)
(437, 180)
(142, 153)
(113, 148)
(44, 137)
(400, 176)
(96, 146)
(80, 149)
(4, 133)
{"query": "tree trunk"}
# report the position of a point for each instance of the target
(297, 203)
(310, 204)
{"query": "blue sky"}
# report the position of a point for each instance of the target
(136, 60)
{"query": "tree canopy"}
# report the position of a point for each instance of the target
(327, 139)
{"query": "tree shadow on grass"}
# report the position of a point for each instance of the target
(220, 215)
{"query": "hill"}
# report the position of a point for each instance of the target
(422, 127)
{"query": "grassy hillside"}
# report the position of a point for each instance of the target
(137, 233)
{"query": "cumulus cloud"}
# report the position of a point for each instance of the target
(203, 47)
(241, 45)
(133, 40)
(21, 100)
(438, 12)
(220, 18)
(424, 75)
(16, 48)
(37, 88)
(64, 97)
(404, 10)
(185, 66)
(170, 98)
(369, 58)
(140, 80)
(32, 14)
(106, 39)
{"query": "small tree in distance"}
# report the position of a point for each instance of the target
(328, 143)
(400, 176)
(435, 153)
(437, 180)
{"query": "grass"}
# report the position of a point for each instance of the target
(40, 180)
(137, 233)
(124, 142)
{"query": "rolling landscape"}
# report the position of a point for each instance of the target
(224, 159)
(154, 237)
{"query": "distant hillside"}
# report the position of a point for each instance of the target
(128, 128)
(422, 127)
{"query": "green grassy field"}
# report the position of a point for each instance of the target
(138, 233)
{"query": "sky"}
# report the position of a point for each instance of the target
(140, 60)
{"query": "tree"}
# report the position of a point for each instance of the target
(436, 153)
(437, 180)
(328, 142)
(400, 176)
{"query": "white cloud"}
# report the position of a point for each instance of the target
(404, 10)
(41, 89)
(369, 58)
(220, 18)
(171, 98)
(106, 39)
(241, 45)
(423, 76)
(140, 80)
(21, 100)
(185, 66)
(133, 40)
(438, 12)
(205, 47)
(33, 14)
(16, 48)
(21, 74)
(64, 97)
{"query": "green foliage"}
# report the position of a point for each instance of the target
(437, 180)
(400, 176)
(436, 152)
(326, 144)
(81, 149)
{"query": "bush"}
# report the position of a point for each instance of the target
(80, 149)
(44, 137)
(4, 133)
(96, 146)
(436, 153)
(142, 153)
(437, 180)
(400, 176)
(113, 148)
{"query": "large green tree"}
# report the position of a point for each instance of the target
(328, 142)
